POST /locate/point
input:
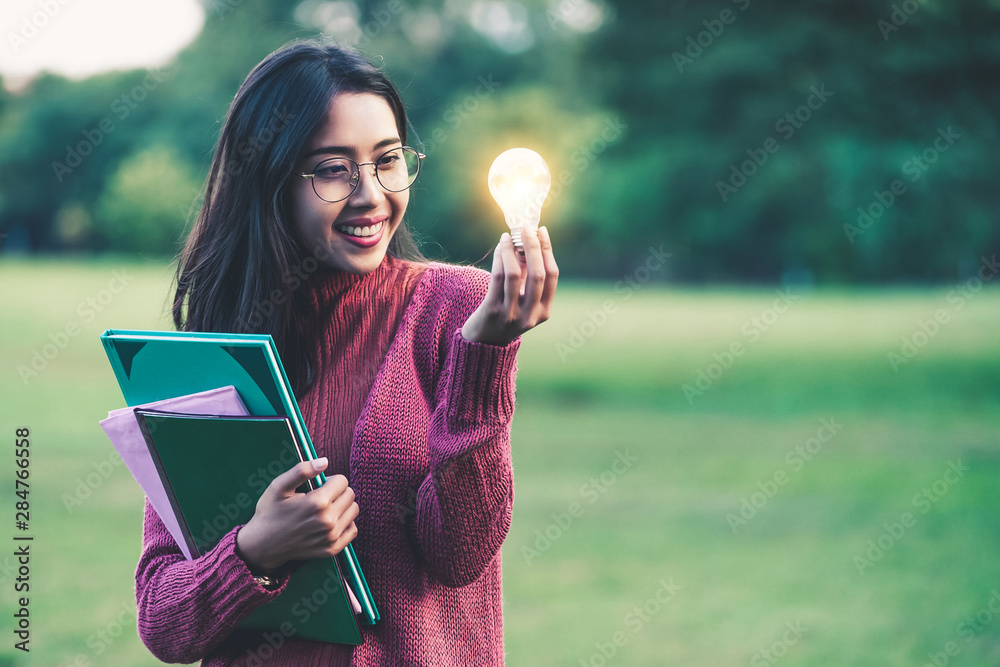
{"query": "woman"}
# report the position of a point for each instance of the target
(404, 371)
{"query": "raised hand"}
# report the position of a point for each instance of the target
(520, 293)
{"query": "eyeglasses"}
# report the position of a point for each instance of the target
(336, 179)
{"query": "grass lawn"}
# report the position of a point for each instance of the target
(805, 501)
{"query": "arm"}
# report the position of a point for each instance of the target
(187, 608)
(463, 507)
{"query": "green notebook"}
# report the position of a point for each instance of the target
(155, 365)
(214, 469)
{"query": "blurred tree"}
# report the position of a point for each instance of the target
(141, 209)
(704, 86)
(756, 142)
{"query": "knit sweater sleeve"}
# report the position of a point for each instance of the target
(188, 607)
(464, 505)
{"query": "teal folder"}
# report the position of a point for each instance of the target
(155, 365)
(214, 469)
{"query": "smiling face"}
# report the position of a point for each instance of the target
(352, 234)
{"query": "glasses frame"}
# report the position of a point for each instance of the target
(356, 176)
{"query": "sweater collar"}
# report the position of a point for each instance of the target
(328, 284)
(336, 279)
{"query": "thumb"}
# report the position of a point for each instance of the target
(286, 483)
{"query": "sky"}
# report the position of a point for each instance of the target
(78, 38)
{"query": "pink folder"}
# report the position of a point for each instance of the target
(123, 430)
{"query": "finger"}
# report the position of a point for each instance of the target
(535, 265)
(345, 538)
(286, 483)
(335, 486)
(341, 503)
(551, 268)
(512, 269)
(494, 292)
(345, 520)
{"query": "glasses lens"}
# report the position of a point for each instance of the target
(398, 168)
(335, 179)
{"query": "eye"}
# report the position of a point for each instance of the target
(332, 170)
(388, 161)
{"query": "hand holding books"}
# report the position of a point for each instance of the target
(299, 526)
(195, 461)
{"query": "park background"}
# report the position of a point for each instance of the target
(761, 426)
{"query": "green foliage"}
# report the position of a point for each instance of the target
(143, 207)
(713, 90)
(696, 89)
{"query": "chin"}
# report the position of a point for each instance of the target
(365, 262)
(368, 264)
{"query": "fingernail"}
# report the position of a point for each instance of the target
(320, 463)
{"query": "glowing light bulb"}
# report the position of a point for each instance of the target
(519, 182)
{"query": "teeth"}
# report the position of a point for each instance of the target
(361, 231)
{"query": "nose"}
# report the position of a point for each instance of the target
(369, 192)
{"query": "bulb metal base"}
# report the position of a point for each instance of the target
(515, 236)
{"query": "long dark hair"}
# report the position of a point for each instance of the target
(243, 262)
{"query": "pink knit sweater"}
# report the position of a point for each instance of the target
(429, 459)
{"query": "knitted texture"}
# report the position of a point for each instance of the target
(418, 419)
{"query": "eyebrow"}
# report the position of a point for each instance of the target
(349, 150)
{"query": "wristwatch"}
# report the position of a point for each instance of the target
(266, 582)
